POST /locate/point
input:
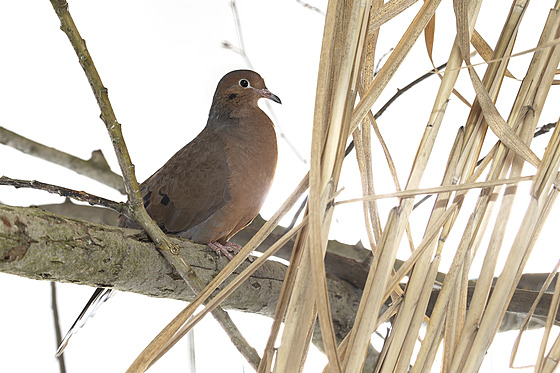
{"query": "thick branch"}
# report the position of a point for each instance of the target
(350, 263)
(44, 246)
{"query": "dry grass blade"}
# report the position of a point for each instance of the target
(392, 169)
(330, 135)
(553, 358)
(287, 286)
(424, 245)
(387, 314)
(549, 44)
(441, 189)
(141, 363)
(299, 320)
(362, 141)
(553, 309)
(440, 309)
(411, 314)
(429, 33)
(330, 104)
(394, 61)
(362, 137)
(521, 248)
(371, 299)
(485, 50)
(388, 11)
(403, 365)
(229, 288)
(526, 123)
(525, 324)
(491, 114)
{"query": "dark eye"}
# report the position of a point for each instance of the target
(244, 83)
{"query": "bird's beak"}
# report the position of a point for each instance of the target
(267, 94)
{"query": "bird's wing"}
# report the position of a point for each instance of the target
(191, 186)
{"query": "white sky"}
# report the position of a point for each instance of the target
(161, 62)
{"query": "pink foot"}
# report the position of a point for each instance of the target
(230, 249)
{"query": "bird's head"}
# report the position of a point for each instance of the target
(242, 87)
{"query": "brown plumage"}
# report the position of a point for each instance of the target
(215, 185)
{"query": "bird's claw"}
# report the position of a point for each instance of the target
(230, 249)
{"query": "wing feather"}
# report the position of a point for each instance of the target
(191, 186)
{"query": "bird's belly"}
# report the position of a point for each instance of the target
(250, 191)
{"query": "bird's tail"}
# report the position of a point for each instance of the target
(100, 296)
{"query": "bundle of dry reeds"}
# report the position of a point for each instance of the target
(464, 334)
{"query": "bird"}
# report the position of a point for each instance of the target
(216, 184)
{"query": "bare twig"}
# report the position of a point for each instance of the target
(242, 51)
(169, 250)
(310, 7)
(378, 65)
(297, 214)
(393, 98)
(544, 129)
(119, 207)
(406, 88)
(96, 167)
(56, 319)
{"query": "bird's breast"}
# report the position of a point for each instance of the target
(252, 161)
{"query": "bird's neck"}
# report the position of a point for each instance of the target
(238, 118)
(239, 125)
(228, 110)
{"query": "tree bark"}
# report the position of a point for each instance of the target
(44, 246)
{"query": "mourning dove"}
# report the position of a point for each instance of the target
(215, 185)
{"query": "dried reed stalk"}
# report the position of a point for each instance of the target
(337, 82)
(462, 333)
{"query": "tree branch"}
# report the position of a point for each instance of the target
(66, 192)
(349, 263)
(95, 168)
(44, 246)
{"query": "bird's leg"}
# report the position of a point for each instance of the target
(229, 249)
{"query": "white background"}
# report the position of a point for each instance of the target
(161, 62)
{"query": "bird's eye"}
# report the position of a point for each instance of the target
(244, 83)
